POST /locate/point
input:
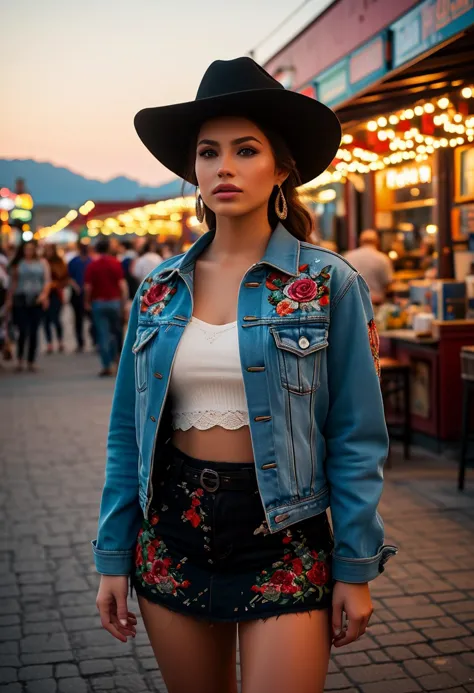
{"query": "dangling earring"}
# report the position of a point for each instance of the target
(281, 208)
(200, 211)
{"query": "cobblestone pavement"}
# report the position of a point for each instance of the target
(52, 432)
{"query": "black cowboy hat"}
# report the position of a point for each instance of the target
(241, 87)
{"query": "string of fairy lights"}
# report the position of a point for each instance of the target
(390, 140)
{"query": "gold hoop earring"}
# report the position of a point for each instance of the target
(281, 208)
(200, 210)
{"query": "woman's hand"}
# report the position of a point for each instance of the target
(112, 605)
(355, 601)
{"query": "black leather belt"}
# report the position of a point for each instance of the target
(211, 480)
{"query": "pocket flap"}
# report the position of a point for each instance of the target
(301, 339)
(144, 335)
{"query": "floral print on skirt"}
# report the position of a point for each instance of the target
(212, 556)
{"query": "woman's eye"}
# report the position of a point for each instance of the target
(247, 151)
(207, 153)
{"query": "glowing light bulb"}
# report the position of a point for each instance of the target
(418, 110)
(429, 108)
(457, 118)
(372, 126)
(393, 120)
(466, 93)
(444, 102)
(409, 113)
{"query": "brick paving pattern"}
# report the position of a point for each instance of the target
(52, 432)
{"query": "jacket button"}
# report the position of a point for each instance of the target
(158, 375)
(153, 419)
(303, 342)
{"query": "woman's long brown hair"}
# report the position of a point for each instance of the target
(298, 221)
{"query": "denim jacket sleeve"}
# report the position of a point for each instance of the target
(120, 512)
(356, 439)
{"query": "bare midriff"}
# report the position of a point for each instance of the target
(215, 444)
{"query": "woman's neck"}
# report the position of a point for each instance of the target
(245, 237)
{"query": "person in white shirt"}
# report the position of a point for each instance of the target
(374, 266)
(146, 263)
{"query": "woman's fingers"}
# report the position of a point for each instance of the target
(352, 633)
(106, 621)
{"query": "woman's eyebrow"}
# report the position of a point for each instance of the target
(239, 140)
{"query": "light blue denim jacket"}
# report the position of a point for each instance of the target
(308, 352)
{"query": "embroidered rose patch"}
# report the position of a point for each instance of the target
(156, 298)
(374, 345)
(308, 291)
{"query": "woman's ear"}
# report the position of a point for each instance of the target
(281, 177)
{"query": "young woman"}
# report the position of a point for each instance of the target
(28, 297)
(247, 402)
(59, 280)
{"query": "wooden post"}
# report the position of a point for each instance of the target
(443, 191)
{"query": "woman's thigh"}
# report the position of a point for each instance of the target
(191, 655)
(288, 653)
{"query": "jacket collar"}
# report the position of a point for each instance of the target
(282, 253)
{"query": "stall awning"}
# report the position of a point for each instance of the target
(444, 69)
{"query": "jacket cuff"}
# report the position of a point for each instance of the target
(112, 562)
(360, 570)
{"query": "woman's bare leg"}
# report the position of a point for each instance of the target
(192, 656)
(289, 653)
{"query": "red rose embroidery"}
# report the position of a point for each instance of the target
(149, 578)
(156, 294)
(297, 565)
(318, 574)
(271, 278)
(286, 540)
(195, 502)
(193, 517)
(138, 556)
(185, 584)
(302, 290)
(199, 492)
(282, 577)
(154, 520)
(289, 589)
(285, 308)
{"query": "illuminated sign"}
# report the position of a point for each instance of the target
(407, 176)
(428, 25)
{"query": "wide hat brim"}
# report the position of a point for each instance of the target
(309, 128)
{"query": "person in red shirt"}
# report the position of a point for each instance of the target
(105, 293)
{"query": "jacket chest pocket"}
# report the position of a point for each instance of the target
(299, 349)
(141, 349)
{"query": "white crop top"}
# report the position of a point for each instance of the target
(206, 385)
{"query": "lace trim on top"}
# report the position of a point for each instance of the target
(203, 420)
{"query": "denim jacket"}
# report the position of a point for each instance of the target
(309, 356)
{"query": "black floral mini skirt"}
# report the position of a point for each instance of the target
(206, 550)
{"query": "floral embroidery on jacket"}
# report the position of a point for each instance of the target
(156, 297)
(153, 565)
(309, 291)
(374, 345)
(300, 574)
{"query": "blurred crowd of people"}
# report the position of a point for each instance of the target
(98, 281)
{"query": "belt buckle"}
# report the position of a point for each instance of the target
(213, 487)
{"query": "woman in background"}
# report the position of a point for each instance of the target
(59, 279)
(28, 297)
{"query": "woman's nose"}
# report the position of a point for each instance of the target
(225, 168)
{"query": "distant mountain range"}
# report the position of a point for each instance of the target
(53, 185)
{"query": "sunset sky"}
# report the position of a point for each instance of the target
(74, 72)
